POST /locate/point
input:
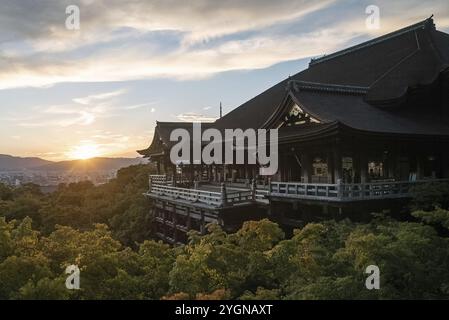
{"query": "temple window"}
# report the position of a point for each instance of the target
(320, 170)
(376, 170)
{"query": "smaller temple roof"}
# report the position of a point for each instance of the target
(353, 111)
(161, 140)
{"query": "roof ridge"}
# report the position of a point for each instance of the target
(420, 25)
(326, 87)
(172, 122)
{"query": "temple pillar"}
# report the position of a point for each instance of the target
(164, 219)
(363, 167)
(175, 222)
(189, 219)
(392, 160)
(419, 167)
(202, 223)
(164, 166)
(306, 169)
(337, 165)
(255, 168)
(173, 167)
(445, 164)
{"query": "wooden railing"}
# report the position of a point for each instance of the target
(292, 190)
(158, 179)
(346, 192)
(206, 197)
(239, 197)
(304, 190)
(216, 199)
(261, 196)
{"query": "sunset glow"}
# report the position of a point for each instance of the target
(84, 152)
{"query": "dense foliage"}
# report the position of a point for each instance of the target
(40, 235)
(119, 204)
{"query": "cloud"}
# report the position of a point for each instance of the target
(83, 118)
(139, 106)
(194, 117)
(251, 53)
(121, 43)
(84, 112)
(99, 97)
(39, 51)
(46, 19)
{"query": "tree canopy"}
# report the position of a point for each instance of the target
(106, 231)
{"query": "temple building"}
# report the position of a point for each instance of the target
(357, 130)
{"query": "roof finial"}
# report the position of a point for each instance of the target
(221, 110)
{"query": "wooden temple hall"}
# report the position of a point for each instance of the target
(357, 130)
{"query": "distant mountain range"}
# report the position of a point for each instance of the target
(11, 163)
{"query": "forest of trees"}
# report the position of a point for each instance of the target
(107, 231)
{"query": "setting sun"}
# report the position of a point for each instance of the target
(84, 152)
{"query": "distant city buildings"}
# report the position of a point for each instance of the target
(45, 179)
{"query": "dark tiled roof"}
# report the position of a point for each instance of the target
(386, 66)
(360, 87)
(354, 112)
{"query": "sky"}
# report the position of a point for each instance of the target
(68, 93)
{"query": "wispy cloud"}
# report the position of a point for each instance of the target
(99, 97)
(194, 117)
(112, 44)
(139, 106)
(85, 111)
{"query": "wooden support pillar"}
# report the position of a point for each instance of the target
(164, 222)
(220, 173)
(254, 171)
(337, 165)
(202, 223)
(174, 175)
(363, 167)
(306, 170)
(189, 220)
(164, 166)
(175, 224)
(191, 173)
(393, 160)
(419, 167)
(226, 173)
(253, 189)
(445, 164)
(158, 166)
(224, 197)
(209, 173)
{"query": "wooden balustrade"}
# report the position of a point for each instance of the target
(293, 190)
(346, 192)
(210, 198)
